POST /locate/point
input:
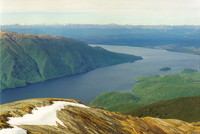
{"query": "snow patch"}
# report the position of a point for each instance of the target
(15, 130)
(43, 115)
(40, 116)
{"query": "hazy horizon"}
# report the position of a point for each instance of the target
(111, 24)
(122, 12)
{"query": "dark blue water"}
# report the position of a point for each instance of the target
(85, 87)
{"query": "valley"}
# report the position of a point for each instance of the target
(150, 86)
(119, 78)
(100, 67)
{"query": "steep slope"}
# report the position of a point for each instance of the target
(74, 117)
(27, 58)
(184, 108)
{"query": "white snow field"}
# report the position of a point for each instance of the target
(15, 130)
(40, 116)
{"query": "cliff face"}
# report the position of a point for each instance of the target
(72, 117)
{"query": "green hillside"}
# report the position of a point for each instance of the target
(184, 108)
(151, 89)
(167, 87)
(27, 58)
(113, 98)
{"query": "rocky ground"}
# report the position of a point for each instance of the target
(90, 120)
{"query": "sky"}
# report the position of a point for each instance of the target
(133, 12)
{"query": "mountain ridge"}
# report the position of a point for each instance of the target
(174, 38)
(13, 35)
(89, 120)
(27, 58)
(183, 108)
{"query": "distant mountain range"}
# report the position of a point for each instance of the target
(27, 58)
(183, 38)
(139, 35)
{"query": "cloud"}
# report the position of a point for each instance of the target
(95, 5)
(115, 11)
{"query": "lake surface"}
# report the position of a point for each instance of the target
(86, 86)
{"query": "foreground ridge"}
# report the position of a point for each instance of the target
(73, 117)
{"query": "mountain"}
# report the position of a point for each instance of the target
(134, 35)
(184, 108)
(166, 87)
(182, 38)
(150, 89)
(27, 58)
(61, 116)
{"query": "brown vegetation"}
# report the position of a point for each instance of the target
(92, 120)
